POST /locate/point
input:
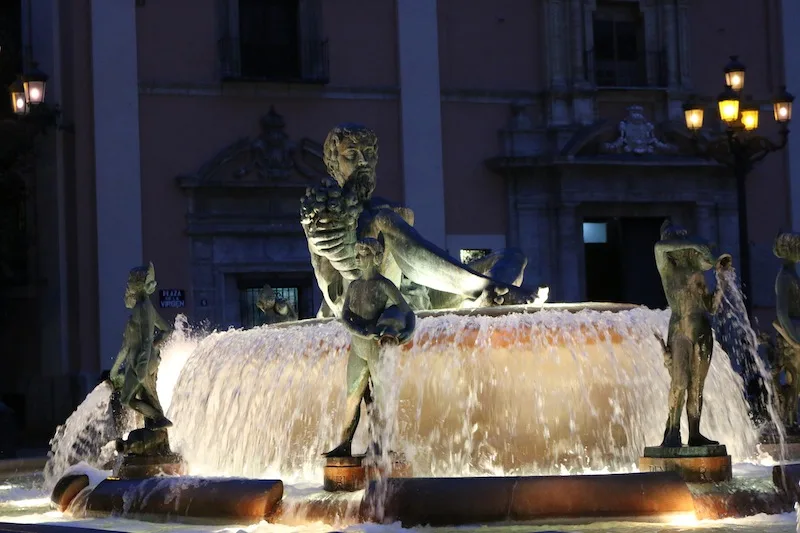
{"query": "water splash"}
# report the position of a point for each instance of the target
(740, 337)
(516, 394)
(87, 435)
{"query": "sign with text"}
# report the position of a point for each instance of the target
(172, 298)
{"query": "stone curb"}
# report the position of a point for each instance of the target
(21, 465)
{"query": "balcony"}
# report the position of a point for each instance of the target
(306, 62)
(614, 73)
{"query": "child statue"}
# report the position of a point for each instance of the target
(276, 310)
(376, 315)
(135, 371)
(787, 309)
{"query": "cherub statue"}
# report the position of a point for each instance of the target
(376, 315)
(787, 307)
(681, 261)
(135, 371)
(275, 308)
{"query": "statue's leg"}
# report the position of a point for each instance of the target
(681, 349)
(357, 382)
(701, 362)
(426, 264)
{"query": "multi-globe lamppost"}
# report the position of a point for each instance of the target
(738, 147)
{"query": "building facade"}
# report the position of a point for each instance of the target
(191, 128)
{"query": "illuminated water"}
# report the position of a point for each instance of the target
(547, 392)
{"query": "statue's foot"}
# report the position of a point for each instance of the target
(342, 450)
(700, 440)
(672, 439)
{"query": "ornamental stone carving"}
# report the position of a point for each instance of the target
(637, 136)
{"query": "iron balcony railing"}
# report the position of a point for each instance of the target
(648, 71)
(307, 63)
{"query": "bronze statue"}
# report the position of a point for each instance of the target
(681, 261)
(787, 307)
(376, 315)
(342, 210)
(140, 354)
(275, 308)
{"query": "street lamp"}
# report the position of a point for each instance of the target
(739, 147)
(17, 92)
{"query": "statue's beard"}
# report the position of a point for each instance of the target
(362, 183)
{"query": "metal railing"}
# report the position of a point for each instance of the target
(648, 71)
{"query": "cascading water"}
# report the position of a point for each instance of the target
(504, 395)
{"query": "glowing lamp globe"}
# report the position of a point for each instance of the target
(728, 103)
(35, 83)
(782, 106)
(734, 74)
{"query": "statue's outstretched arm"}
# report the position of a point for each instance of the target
(114, 376)
(698, 245)
(783, 285)
(424, 263)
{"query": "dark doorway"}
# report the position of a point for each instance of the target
(620, 265)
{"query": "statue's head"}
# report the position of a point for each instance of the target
(266, 299)
(141, 284)
(369, 253)
(350, 153)
(670, 231)
(787, 247)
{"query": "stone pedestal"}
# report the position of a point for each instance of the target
(144, 466)
(348, 474)
(146, 453)
(695, 464)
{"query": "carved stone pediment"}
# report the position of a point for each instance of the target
(268, 160)
(636, 135)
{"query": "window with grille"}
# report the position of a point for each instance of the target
(618, 56)
(251, 315)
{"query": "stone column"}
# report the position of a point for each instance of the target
(118, 186)
(669, 39)
(555, 48)
(651, 40)
(728, 224)
(705, 221)
(421, 115)
(684, 49)
(534, 234)
(578, 43)
(791, 60)
(570, 238)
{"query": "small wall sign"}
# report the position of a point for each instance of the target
(172, 298)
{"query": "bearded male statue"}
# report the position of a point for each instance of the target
(342, 210)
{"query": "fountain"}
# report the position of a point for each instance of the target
(485, 405)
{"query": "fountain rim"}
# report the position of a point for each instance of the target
(500, 310)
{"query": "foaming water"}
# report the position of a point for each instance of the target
(540, 393)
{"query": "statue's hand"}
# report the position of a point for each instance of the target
(724, 263)
(117, 380)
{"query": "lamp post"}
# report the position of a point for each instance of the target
(27, 94)
(738, 146)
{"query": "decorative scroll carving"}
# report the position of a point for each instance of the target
(637, 136)
(269, 159)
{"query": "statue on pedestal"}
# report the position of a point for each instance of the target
(275, 308)
(135, 371)
(342, 210)
(787, 308)
(681, 261)
(376, 315)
